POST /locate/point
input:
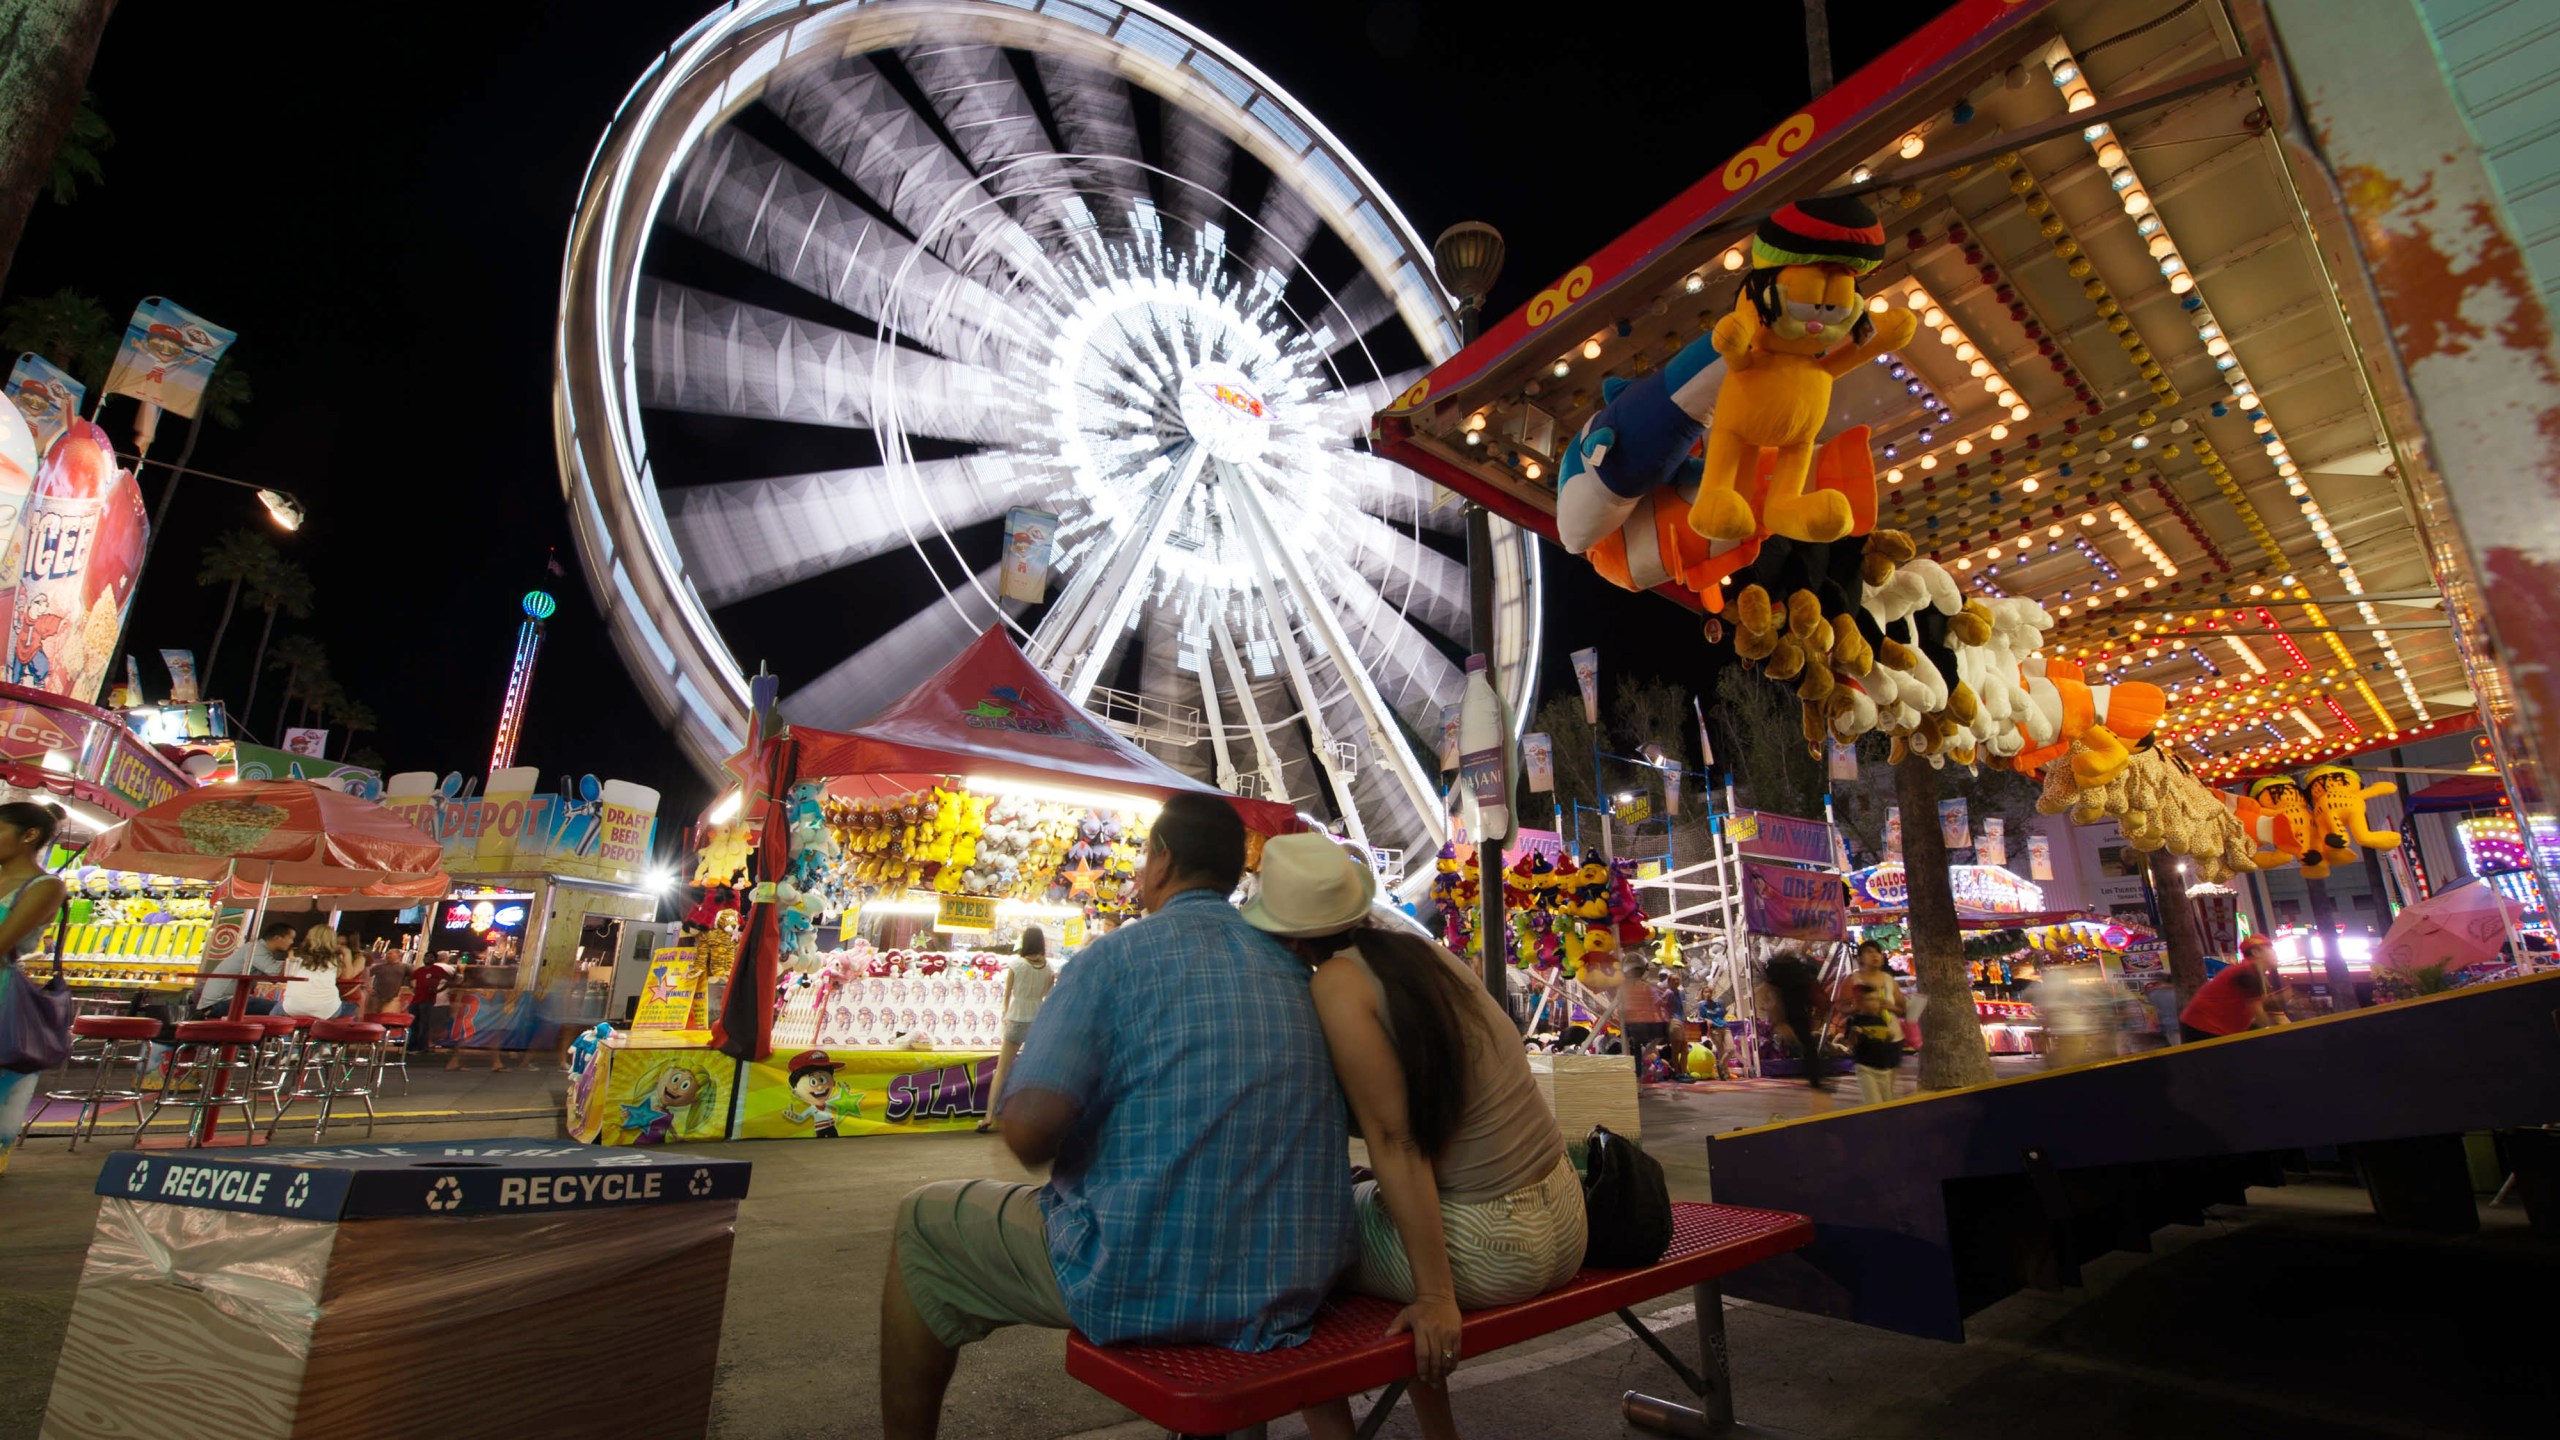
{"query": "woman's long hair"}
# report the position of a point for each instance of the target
(318, 950)
(1428, 1001)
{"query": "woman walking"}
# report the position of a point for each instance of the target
(1026, 984)
(33, 899)
(1474, 1203)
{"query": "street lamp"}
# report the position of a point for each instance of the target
(282, 508)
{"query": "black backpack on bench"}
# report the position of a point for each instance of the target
(1626, 1203)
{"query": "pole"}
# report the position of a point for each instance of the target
(1817, 44)
(1489, 923)
(2324, 923)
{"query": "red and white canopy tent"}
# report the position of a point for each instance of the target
(988, 715)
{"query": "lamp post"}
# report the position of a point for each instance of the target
(1468, 259)
(282, 508)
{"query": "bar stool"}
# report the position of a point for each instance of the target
(112, 1033)
(205, 1048)
(276, 1054)
(330, 1057)
(394, 1051)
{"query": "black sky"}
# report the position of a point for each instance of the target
(381, 218)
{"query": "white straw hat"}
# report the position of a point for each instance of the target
(1310, 886)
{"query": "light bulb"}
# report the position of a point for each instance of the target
(1964, 562)
(2031, 485)
(2053, 530)
(1877, 304)
(1919, 298)
(1532, 470)
(1563, 368)
(1928, 462)
(2111, 156)
(1965, 351)
(1980, 368)
(1950, 335)
(2079, 98)
(2088, 518)
(2019, 411)
(2181, 283)
(1893, 477)
(1912, 145)
(1733, 259)
(1862, 174)
(1964, 447)
(2217, 346)
(1695, 283)
(2136, 201)
(1999, 432)
(1934, 319)
(1591, 349)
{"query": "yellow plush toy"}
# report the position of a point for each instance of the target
(2337, 812)
(1797, 325)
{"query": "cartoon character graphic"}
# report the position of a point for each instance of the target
(37, 625)
(679, 1093)
(816, 1101)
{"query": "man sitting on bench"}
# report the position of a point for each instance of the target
(1178, 1084)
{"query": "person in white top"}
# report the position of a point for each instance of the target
(312, 988)
(1026, 984)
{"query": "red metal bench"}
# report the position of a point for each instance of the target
(1207, 1390)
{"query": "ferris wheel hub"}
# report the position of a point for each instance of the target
(1225, 413)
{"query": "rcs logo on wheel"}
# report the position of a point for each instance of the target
(445, 1194)
(700, 1184)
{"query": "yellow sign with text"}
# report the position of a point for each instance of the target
(828, 1094)
(965, 912)
(672, 998)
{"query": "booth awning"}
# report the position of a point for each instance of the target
(2462, 792)
(991, 713)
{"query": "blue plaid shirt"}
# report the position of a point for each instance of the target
(1204, 1191)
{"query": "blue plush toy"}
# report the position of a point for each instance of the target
(1637, 442)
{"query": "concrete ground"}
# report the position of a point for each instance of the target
(2293, 1316)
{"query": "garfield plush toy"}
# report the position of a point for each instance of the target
(2289, 830)
(1797, 325)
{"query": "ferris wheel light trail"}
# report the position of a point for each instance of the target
(851, 282)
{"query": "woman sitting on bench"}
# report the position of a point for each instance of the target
(1475, 1203)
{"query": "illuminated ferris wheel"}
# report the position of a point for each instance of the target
(849, 283)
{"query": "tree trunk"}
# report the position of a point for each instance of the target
(46, 49)
(2177, 925)
(230, 604)
(1952, 1054)
(349, 746)
(292, 686)
(258, 661)
(2324, 923)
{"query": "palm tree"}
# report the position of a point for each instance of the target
(282, 586)
(352, 716)
(232, 561)
(306, 667)
(77, 160)
(66, 327)
(43, 71)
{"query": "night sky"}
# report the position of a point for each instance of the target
(383, 221)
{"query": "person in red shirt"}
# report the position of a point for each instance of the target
(424, 986)
(2234, 1000)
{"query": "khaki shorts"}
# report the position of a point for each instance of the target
(975, 1256)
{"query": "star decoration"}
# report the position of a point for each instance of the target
(1080, 882)
(642, 1115)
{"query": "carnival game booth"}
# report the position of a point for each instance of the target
(982, 801)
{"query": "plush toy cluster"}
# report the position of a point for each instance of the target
(2161, 804)
(956, 842)
(862, 996)
(1562, 913)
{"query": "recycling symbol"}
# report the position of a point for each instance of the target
(299, 1191)
(700, 1184)
(140, 1177)
(445, 1194)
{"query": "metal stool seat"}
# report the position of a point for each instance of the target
(394, 1051)
(112, 1033)
(276, 1056)
(205, 1047)
(329, 1071)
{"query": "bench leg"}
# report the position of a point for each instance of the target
(1712, 1381)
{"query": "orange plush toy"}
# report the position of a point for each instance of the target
(1797, 325)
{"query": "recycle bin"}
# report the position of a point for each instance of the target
(452, 1288)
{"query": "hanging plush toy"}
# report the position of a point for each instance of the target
(1797, 325)
(2338, 814)
(2287, 827)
